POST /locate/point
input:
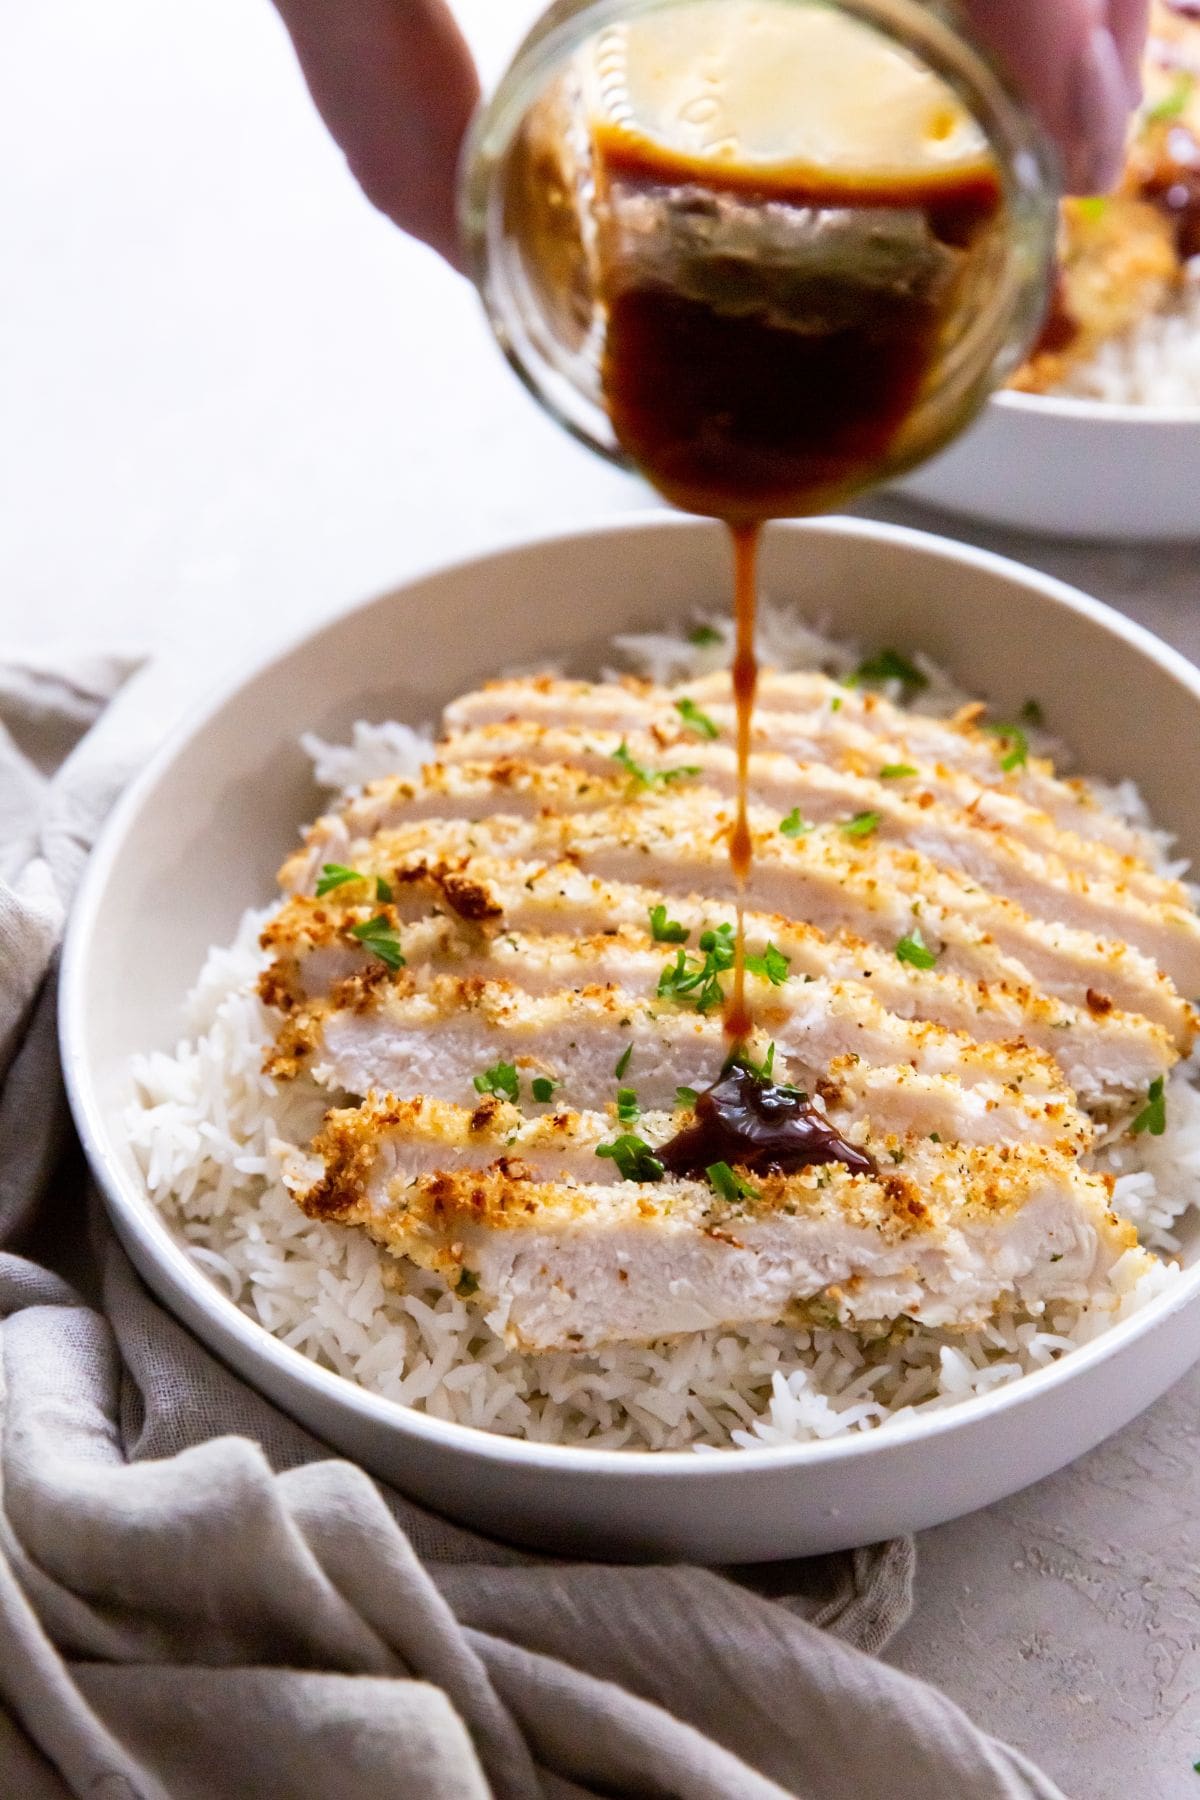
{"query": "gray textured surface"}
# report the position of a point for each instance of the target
(235, 399)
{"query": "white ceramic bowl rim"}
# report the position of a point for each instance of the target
(1101, 412)
(142, 1220)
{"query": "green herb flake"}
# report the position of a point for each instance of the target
(686, 1096)
(1173, 105)
(467, 1283)
(913, 949)
(623, 1061)
(379, 936)
(695, 982)
(502, 1079)
(896, 771)
(664, 930)
(889, 665)
(794, 826)
(334, 875)
(731, 1187)
(703, 635)
(1014, 746)
(1031, 714)
(628, 1110)
(1153, 1116)
(861, 825)
(740, 1058)
(835, 705)
(542, 1087)
(699, 721)
(1092, 206)
(772, 966)
(383, 891)
(644, 777)
(633, 1156)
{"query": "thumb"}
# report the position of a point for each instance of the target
(1077, 63)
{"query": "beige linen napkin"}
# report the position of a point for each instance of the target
(197, 1600)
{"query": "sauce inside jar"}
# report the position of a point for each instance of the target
(766, 347)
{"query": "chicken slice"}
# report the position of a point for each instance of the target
(556, 927)
(879, 892)
(949, 816)
(437, 1037)
(1150, 912)
(525, 1215)
(811, 718)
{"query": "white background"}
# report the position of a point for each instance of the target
(234, 399)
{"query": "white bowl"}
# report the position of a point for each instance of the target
(201, 831)
(1072, 468)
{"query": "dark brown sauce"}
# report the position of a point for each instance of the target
(1060, 328)
(746, 406)
(1172, 183)
(757, 1125)
(738, 1023)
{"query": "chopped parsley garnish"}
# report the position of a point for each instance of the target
(1014, 745)
(740, 1058)
(913, 949)
(664, 930)
(794, 826)
(335, 875)
(1032, 713)
(1153, 1116)
(1172, 105)
(644, 777)
(380, 937)
(896, 771)
(835, 705)
(502, 1079)
(633, 1156)
(731, 1187)
(1092, 206)
(686, 1096)
(695, 982)
(772, 965)
(383, 891)
(623, 1059)
(699, 721)
(861, 825)
(467, 1283)
(543, 1087)
(628, 1110)
(702, 635)
(889, 665)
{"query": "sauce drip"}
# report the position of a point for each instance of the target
(758, 1125)
(751, 382)
(738, 1023)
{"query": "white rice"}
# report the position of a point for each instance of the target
(1155, 362)
(209, 1127)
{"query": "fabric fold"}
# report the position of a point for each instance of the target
(197, 1599)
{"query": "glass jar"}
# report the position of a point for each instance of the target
(768, 251)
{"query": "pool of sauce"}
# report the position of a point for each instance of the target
(741, 406)
(758, 1125)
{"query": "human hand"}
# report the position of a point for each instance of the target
(1079, 65)
(395, 83)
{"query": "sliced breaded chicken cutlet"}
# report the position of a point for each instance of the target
(961, 968)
